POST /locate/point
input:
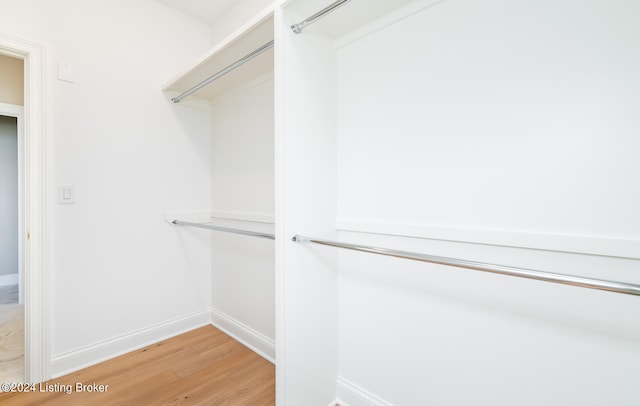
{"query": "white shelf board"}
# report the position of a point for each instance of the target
(252, 35)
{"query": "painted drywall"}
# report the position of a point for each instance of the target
(11, 80)
(118, 270)
(8, 195)
(474, 117)
(206, 11)
(242, 168)
(516, 132)
(243, 280)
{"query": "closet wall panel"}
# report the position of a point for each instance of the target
(498, 131)
(306, 202)
(243, 197)
(466, 115)
(463, 119)
(242, 157)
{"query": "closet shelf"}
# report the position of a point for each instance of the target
(253, 35)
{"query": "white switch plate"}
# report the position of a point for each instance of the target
(66, 194)
(66, 72)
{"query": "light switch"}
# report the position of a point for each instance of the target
(66, 72)
(66, 195)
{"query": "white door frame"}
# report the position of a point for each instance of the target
(36, 206)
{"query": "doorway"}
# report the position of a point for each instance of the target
(32, 238)
(9, 211)
(12, 360)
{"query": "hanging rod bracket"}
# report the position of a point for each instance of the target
(297, 28)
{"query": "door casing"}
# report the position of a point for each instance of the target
(35, 205)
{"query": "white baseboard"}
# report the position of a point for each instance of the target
(256, 341)
(77, 359)
(8, 280)
(350, 394)
(71, 361)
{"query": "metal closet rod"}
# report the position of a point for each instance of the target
(297, 28)
(225, 229)
(611, 286)
(224, 71)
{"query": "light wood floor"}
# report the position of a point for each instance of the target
(201, 367)
(11, 343)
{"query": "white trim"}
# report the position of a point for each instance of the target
(388, 19)
(11, 110)
(11, 52)
(244, 216)
(8, 280)
(350, 394)
(278, 62)
(583, 244)
(36, 211)
(244, 88)
(191, 216)
(202, 216)
(74, 360)
(252, 339)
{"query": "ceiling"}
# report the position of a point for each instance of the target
(207, 11)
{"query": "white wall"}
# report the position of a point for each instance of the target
(8, 195)
(117, 267)
(528, 131)
(483, 127)
(242, 189)
(242, 150)
(11, 80)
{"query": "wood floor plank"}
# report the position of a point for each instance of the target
(213, 377)
(200, 367)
